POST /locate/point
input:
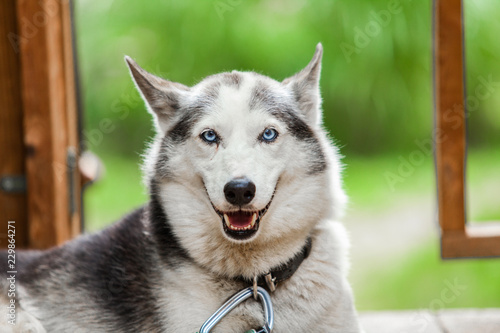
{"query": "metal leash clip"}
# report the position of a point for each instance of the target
(234, 301)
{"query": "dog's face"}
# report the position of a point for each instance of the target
(239, 155)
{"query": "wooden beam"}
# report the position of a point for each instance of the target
(450, 133)
(48, 111)
(12, 205)
(482, 240)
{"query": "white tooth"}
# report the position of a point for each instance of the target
(254, 218)
(226, 219)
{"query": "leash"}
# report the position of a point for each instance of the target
(269, 280)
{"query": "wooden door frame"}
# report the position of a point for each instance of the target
(41, 40)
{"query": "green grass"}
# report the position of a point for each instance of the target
(422, 280)
(366, 180)
(483, 186)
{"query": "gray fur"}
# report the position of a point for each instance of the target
(232, 79)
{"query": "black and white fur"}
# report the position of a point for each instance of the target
(169, 265)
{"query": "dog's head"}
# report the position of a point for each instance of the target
(241, 158)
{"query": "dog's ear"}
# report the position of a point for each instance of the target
(162, 97)
(305, 88)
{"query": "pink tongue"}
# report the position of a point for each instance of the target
(240, 219)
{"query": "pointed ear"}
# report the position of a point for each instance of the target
(162, 97)
(305, 88)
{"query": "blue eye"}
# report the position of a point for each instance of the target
(269, 135)
(210, 136)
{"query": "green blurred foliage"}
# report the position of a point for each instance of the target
(482, 54)
(377, 69)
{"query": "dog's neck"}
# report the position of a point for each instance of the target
(282, 272)
(167, 244)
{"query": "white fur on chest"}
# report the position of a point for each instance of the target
(316, 299)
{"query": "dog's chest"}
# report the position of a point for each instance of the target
(187, 314)
(188, 301)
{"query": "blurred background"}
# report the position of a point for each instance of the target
(378, 106)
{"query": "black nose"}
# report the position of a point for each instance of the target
(239, 191)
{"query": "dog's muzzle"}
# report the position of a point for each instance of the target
(241, 225)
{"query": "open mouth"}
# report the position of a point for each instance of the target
(241, 225)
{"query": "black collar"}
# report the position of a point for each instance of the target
(283, 272)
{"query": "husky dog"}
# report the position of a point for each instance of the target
(244, 183)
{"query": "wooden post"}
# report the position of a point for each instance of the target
(450, 135)
(12, 203)
(50, 134)
(457, 240)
